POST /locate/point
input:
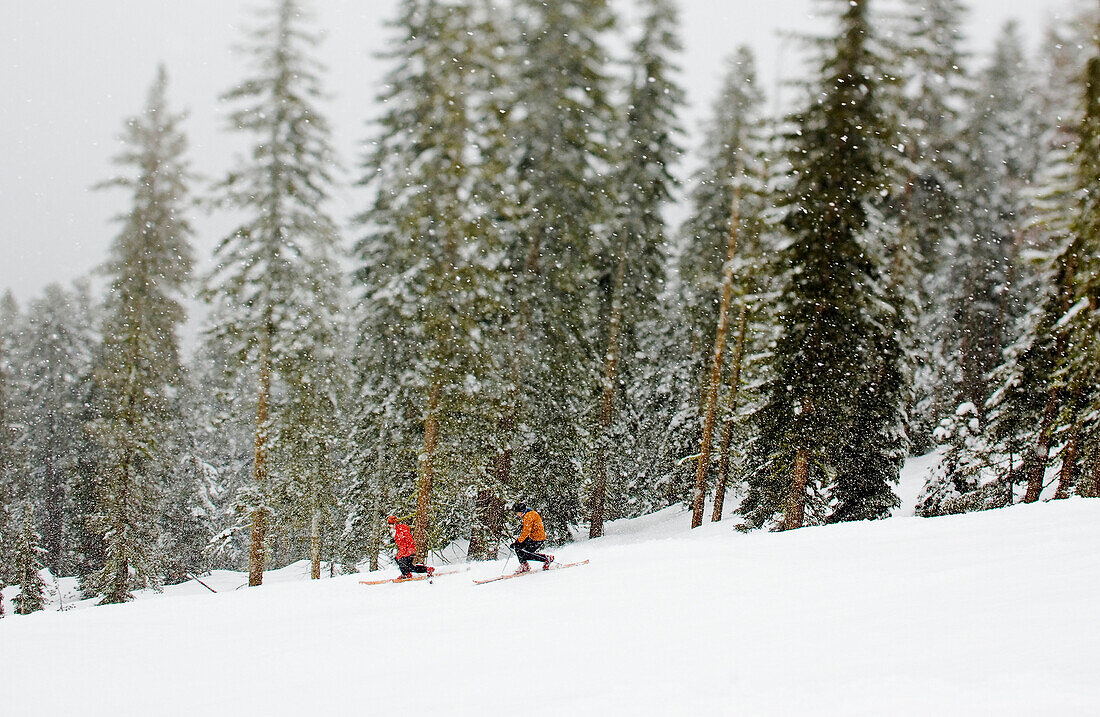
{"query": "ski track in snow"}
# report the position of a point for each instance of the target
(985, 613)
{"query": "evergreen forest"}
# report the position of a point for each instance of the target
(904, 259)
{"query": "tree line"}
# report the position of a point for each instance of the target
(905, 260)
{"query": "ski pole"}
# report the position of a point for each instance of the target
(505, 560)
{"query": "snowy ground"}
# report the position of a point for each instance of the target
(987, 613)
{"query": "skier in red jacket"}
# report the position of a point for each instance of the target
(406, 549)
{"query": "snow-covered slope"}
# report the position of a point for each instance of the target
(988, 613)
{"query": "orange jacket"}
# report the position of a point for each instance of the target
(532, 527)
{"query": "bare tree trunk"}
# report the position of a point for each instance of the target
(484, 539)
(1040, 455)
(607, 407)
(727, 425)
(315, 545)
(479, 537)
(796, 501)
(1090, 487)
(374, 542)
(699, 496)
(427, 469)
(494, 518)
(1067, 477)
(256, 552)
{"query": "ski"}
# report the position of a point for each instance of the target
(553, 566)
(414, 578)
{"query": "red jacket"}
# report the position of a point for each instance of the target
(404, 539)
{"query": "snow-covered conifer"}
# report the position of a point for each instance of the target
(983, 302)
(138, 371)
(934, 91)
(831, 426)
(729, 203)
(54, 356)
(430, 263)
(276, 287)
(560, 132)
(635, 252)
(29, 556)
(9, 434)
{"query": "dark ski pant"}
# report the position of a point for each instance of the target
(526, 551)
(406, 566)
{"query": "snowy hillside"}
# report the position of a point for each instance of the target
(985, 613)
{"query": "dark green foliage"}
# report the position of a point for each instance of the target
(560, 158)
(429, 271)
(54, 359)
(10, 461)
(138, 372)
(29, 555)
(838, 386)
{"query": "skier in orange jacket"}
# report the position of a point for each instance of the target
(530, 539)
(406, 549)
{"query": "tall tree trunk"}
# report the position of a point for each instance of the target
(1040, 454)
(256, 552)
(1090, 487)
(699, 496)
(727, 425)
(796, 501)
(1067, 476)
(119, 591)
(489, 507)
(55, 507)
(315, 539)
(374, 542)
(479, 531)
(488, 523)
(502, 468)
(607, 406)
(427, 468)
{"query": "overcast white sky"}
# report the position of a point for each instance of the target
(71, 72)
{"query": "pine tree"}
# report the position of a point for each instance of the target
(430, 264)
(29, 554)
(222, 444)
(984, 299)
(1083, 319)
(935, 91)
(633, 257)
(54, 357)
(139, 370)
(308, 493)
(276, 287)
(1071, 397)
(721, 255)
(830, 425)
(1036, 408)
(1001, 163)
(560, 132)
(10, 462)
